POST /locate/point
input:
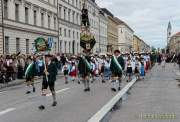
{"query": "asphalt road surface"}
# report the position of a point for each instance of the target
(74, 105)
(156, 95)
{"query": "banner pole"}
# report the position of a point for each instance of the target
(45, 68)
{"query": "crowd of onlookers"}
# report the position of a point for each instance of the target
(13, 66)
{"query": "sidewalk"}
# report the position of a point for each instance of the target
(155, 99)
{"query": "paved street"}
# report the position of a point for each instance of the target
(73, 104)
(158, 94)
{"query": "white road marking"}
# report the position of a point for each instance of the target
(6, 111)
(12, 109)
(1, 92)
(59, 91)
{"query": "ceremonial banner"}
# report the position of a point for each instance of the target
(88, 66)
(42, 45)
(87, 41)
(115, 66)
(29, 71)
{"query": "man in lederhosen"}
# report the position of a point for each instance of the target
(117, 71)
(85, 70)
(49, 78)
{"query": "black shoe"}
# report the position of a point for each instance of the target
(103, 81)
(119, 88)
(113, 89)
(85, 90)
(88, 89)
(54, 103)
(41, 107)
(66, 82)
(28, 92)
(79, 82)
(34, 89)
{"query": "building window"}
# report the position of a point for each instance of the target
(65, 46)
(26, 15)
(55, 46)
(35, 17)
(69, 15)
(55, 23)
(73, 16)
(64, 13)
(60, 11)
(77, 15)
(49, 21)
(6, 9)
(54, 2)
(60, 45)
(76, 3)
(6, 44)
(60, 31)
(73, 34)
(69, 47)
(69, 33)
(17, 45)
(64, 32)
(79, 4)
(77, 47)
(42, 19)
(77, 35)
(73, 2)
(17, 12)
(27, 46)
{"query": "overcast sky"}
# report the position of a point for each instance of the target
(148, 18)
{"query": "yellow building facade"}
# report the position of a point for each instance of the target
(112, 34)
(136, 44)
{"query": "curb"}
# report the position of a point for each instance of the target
(101, 115)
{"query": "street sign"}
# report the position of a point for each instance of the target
(50, 42)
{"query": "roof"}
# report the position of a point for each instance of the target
(137, 37)
(107, 12)
(122, 22)
(177, 34)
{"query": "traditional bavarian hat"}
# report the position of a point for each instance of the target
(116, 51)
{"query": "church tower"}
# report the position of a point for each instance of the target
(169, 30)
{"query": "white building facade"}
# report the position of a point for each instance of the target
(125, 36)
(69, 14)
(26, 20)
(1, 30)
(103, 23)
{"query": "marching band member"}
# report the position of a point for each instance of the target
(85, 69)
(73, 71)
(49, 78)
(65, 70)
(117, 66)
(29, 74)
